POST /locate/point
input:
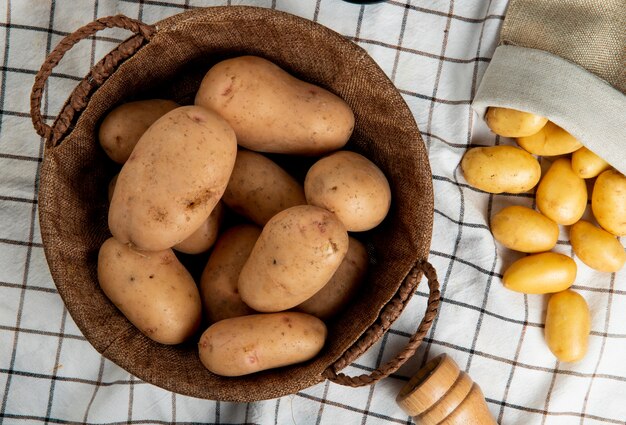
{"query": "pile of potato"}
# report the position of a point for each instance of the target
(270, 281)
(561, 198)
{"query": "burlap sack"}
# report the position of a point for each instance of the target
(565, 60)
(168, 60)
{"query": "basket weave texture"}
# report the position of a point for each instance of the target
(168, 60)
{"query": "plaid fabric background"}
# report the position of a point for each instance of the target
(435, 51)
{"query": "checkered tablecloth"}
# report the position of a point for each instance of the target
(435, 51)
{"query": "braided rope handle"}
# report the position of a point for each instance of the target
(391, 311)
(96, 76)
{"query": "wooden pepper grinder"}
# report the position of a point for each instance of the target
(441, 394)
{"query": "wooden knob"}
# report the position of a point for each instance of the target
(441, 394)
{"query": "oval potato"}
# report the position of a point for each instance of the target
(568, 324)
(587, 164)
(247, 344)
(523, 229)
(608, 202)
(497, 169)
(596, 247)
(551, 140)
(513, 123)
(218, 284)
(540, 273)
(561, 194)
(352, 187)
(342, 287)
(123, 126)
(297, 253)
(152, 289)
(272, 111)
(203, 238)
(259, 189)
(175, 176)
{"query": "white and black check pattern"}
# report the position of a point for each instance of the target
(435, 51)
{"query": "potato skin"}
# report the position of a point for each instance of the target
(152, 289)
(523, 229)
(123, 126)
(272, 111)
(248, 344)
(203, 238)
(351, 186)
(297, 253)
(174, 178)
(344, 284)
(259, 189)
(596, 247)
(561, 194)
(568, 324)
(551, 140)
(498, 169)
(608, 202)
(540, 273)
(513, 123)
(587, 164)
(218, 284)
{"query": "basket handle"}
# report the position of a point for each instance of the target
(98, 74)
(388, 315)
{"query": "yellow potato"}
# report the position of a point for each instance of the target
(512, 123)
(259, 189)
(204, 236)
(524, 229)
(498, 169)
(111, 188)
(587, 164)
(123, 126)
(175, 176)
(551, 140)
(248, 344)
(344, 284)
(540, 273)
(608, 202)
(568, 324)
(351, 186)
(152, 289)
(597, 248)
(272, 111)
(561, 194)
(218, 285)
(297, 253)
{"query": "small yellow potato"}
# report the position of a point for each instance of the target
(587, 164)
(218, 284)
(608, 202)
(498, 169)
(205, 236)
(551, 140)
(272, 111)
(344, 284)
(540, 273)
(175, 176)
(596, 247)
(351, 186)
(248, 344)
(297, 253)
(259, 189)
(111, 188)
(123, 126)
(568, 324)
(513, 123)
(561, 194)
(523, 229)
(152, 289)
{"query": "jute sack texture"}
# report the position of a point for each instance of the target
(168, 60)
(565, 60)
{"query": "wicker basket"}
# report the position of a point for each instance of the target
(168, 60)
